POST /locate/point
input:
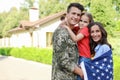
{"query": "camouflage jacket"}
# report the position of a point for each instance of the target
(65, 55)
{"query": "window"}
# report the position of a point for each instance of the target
(49, 39)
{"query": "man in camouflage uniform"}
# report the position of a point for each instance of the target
(65, 52)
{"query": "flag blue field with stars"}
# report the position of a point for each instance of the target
(100, 68)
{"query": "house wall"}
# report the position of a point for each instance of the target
(43, 30)
(20, 39)
(40, 37)
(5, 42)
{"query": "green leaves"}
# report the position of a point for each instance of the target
(103, 12)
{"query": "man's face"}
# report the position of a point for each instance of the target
(73, 17)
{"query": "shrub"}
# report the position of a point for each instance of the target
(5, 51)
(43, 55)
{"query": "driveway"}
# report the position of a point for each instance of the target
(12, 68)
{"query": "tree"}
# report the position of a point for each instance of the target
(2, 18)
(50, 7)
(10, 21)
(103, 12)
(116, 4)
(29, 3)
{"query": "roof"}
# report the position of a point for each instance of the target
(49, 18)
(24, 24)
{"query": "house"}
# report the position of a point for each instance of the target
(36, 33)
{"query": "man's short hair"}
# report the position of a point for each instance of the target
(77, 5)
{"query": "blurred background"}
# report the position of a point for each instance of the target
(26, 26)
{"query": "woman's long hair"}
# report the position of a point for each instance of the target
(103, 40)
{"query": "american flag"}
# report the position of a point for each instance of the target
(100, 68)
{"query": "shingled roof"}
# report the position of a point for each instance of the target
(24, 24)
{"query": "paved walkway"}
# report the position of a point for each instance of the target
(19, 69)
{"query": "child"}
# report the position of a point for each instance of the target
(82, 37)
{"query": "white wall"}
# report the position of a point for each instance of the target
(20, 39)
(42, 32)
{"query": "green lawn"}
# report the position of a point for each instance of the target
(116, 61)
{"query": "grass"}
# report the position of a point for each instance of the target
(116, 61)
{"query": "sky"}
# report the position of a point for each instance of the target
(5, 5)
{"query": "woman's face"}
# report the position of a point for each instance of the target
(95, 33)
